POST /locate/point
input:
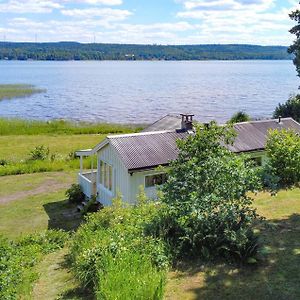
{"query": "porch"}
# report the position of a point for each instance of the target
(87, 179)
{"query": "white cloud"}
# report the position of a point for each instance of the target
(29, 6)
(99, 2)
(108, 14)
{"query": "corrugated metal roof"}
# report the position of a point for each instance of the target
(168, 122)
(151, 149)
(147, 150)
(253, 135)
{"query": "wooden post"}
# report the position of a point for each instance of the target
(81, 164)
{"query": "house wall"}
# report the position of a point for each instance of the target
(120, 178)
(136, 180)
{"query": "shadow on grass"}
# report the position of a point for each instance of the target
(277, 277)
(62, 215)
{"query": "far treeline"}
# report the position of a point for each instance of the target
(78, 51)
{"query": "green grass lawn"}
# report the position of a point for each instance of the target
(277, 277)
(36, 202)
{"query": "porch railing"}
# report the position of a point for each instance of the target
(87, 181)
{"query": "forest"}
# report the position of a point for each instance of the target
(96, 51)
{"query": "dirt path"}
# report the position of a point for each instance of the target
(49, 185)
(56, 280)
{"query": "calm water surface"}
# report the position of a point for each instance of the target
(138, 92)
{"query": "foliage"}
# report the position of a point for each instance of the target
(239, 116)
(34, 127)
(9, 91)
(207, 208)
(112, 254)
(283, 150)
(17, 261)
(291, 108)
(40, 152)
(75, 194)
(77, 51)
(295, 47)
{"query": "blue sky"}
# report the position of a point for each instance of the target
(264, 22)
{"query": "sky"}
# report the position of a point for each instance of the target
(262, 22)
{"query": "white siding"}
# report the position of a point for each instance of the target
(120, 180)
(136, 180)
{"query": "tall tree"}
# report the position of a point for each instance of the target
(295, 47)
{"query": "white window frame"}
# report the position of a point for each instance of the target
(101, 180)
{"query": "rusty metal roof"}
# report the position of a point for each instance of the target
(253, 135)
(168, 122)
(147, 150)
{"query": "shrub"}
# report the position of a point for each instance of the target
(291, 108)
(112, 254)
(3, 162)
(75, 194)
(283, 150)
(207, 211)
(39, 153)
(239, 116)
(17, 261)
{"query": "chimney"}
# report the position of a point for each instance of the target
(186, 122)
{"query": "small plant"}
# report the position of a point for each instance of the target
(75, 194)
(39, 153)
(3, 162)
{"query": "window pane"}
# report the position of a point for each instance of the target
(110, 178)
(105, 174)
(157, 179)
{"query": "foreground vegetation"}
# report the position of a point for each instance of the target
(276, 276)
(9, 91)
(77, 51)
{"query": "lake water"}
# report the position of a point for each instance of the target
(142, 91)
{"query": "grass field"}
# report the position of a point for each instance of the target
(34, 208)
(17, 147)
(9, 91)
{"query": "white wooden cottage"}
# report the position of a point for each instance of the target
(126, 162)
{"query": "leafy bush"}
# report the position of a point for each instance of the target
(75, 194)
(207, 211)
(239, 116)
(39, 153)
(112, 254)
(291, 108)
(283, 150)
(17, 260)
(3, 162)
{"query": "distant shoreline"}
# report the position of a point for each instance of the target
(68, 51)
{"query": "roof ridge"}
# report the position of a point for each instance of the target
(263, 121)
(139, 134)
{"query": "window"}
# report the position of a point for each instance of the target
(106, 175)
(153, 180)
(257, 161)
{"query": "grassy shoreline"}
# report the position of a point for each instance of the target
(15, 126)
(11, 91)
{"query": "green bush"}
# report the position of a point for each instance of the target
(17, 261)
(238, 117)
(39, 153)
(291, 108)
(207, 211)
(112, 254)
(75, 194)
(283, 150)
